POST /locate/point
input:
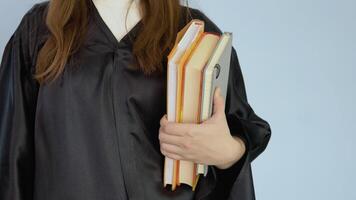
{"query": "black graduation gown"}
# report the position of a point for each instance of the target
(93, 133)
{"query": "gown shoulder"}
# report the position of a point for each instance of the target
(35, 17)
(31, 31)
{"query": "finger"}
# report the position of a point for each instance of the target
(172, 156)
(218, 103)
(170, 148)
(179, 129)
(168, 138)
(164, 120)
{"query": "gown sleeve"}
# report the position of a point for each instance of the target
(18, 94)
(236, 181)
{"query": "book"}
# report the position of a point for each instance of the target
(184, 39)
(198, 63)
(190, 96)
(215, 74)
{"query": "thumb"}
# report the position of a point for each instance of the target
(218, 103)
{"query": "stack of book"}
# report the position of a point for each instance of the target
(198, 63)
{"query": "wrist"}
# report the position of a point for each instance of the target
(236, 150)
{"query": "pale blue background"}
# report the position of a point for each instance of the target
(298, 58)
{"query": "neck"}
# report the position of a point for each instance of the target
(114, 13)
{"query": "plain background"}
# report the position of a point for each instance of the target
(298, 59)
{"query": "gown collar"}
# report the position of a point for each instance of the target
(127, 39)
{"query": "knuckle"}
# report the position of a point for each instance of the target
(162, 121)
(167, 128)
(186, 144)
(163, 146)
(164, 128)
(160, 136)
(171, 156)
(163, 150)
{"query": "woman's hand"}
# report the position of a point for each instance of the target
(209, 142)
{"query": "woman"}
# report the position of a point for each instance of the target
(82, 108)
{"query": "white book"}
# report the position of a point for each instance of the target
(187, 39)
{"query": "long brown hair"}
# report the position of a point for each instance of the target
(67, 23)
